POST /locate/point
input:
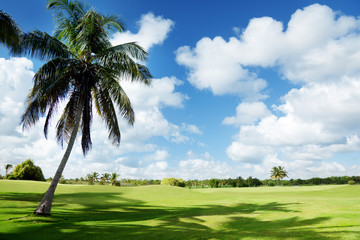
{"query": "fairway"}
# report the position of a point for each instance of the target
(160, 212)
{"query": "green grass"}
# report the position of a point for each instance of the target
(159, 212)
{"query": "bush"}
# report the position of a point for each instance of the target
(173, 182)
(27, 171)
(351, 182)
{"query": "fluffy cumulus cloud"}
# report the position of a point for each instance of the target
(247, 113)
(319, 50)
(153, 30)
(212, 65)
(317, 45)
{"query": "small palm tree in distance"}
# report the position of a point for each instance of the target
(278, 173)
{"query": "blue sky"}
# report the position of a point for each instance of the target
(239, 87)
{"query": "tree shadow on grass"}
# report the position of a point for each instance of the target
(112, 216)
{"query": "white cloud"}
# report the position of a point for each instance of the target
(159, 155)
(153, 31)
(16, 76)
(317, 45)
(248, 113)
(212, 66)
(240, 152)
(190, 128)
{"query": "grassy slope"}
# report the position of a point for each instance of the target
(158, 212)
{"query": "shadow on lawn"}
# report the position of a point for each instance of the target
(111, 216)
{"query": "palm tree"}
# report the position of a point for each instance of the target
(95, 176)
(83, 69)
(89, 178)
(7, 168)
(9, 30)
(278, 173)
(105, 177)
(113, 178)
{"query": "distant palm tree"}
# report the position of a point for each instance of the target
(7, 168)
(113, 178)
(95, 176)
(278, 173)
(9, 30)
(89, 178)
(83, 69)
(105, 177)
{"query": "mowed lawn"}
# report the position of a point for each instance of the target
(160, 212)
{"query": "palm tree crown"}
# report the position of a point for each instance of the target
(84, 69)
(278, 173)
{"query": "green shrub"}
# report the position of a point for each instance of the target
(173, 182)
(27, 171)
(351, 182)
(117, 183)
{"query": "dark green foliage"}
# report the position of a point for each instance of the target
(9, 30)
(240, 182)
(253, 182)
(214, 183)
(27, 171)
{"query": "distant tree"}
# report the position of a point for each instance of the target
(7, 168)
(9, 31)
(278, 173)
(173, 182)
(89, 179)
(113, 178)
(253, 182)
(105, 177)
(240, 182)
(27, 171)
(214, 183)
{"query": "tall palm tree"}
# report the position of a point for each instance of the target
(83, 69)
(9, 30)
(278, 173)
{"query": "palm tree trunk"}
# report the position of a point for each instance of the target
(44, 207)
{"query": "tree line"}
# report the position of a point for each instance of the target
(27, 170)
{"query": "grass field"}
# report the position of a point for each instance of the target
(159, 212)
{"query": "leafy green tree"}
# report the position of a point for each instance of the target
(7, 168)
(113, 178)
(28, 171)
(278, 173)
(9, 30)
(173, 182)
(253, 182)
(214, 183)
(84, 70)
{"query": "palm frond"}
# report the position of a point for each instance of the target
(117, 94)
(86, 120)
(41, 45)
(9, 30)
(112, 23)
(126, 67)
(66, 123)
(131, 49)
(106, 110)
